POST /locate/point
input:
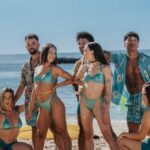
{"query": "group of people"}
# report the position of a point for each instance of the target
(95, 87)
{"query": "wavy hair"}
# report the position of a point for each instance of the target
(98, 52)
(45, 51)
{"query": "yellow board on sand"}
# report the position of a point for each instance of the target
(25, 132)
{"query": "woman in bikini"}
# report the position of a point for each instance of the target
(139, 141)
(10, 123)
(95, 96)
(44, 92)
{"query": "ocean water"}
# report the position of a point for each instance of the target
(10, 70)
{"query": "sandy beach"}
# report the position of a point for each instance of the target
(100, 144)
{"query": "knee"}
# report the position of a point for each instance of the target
(41, 134)
(88, 135)
(60, 130)
(28, 147)
(121, 142)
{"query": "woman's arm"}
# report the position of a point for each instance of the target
(145, 127)
(60, 72)
(108, 79)
(78, 82)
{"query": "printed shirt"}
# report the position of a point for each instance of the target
(120, 61)
(27, 75)
(78, 65)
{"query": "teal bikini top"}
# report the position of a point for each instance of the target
(7, 124)
(98, 78)
(46, 77)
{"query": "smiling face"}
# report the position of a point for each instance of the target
(8, 103)
(51, 55)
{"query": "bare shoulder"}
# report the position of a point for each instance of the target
(55, 68)
(107, 70)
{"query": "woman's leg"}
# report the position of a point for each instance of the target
(105, 128)
(42, 125)
(126, 144)
(57, 138)
(81, 138)
(59, 117)
(21, 146)
(87, 120)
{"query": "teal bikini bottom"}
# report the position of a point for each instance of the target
(90, 103)
(46, 105)
(6, 146)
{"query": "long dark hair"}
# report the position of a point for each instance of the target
(3, 91)
(98, 52)
(45, 51)
(147, 90)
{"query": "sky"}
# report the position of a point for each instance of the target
(58, 21)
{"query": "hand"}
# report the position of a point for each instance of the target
(77, 82)
(29, 114)
(121, 136)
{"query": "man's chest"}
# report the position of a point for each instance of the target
(132, 68)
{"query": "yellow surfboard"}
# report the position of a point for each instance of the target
(25, 132)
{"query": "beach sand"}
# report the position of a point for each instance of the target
(100, 144)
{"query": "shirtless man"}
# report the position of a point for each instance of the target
(132, 70)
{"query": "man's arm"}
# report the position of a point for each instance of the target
(19, 91)
(113, 57)
(22, 84)
(107, 55)
(76, 67)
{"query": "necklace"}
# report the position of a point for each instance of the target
(131, 58)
